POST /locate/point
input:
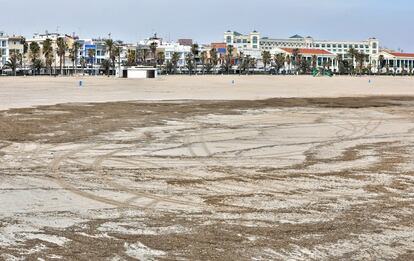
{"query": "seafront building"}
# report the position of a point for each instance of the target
(4, 49)
(253, 44)
(93, 52)
(182, 48)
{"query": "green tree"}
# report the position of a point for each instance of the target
(305, 65)
(352, 53)
(160, 59)
(153, 47)
(106, 66)
(13, 63)
(229, 58)
(82, 62)
(117, 53)
(91, 56)
(213, 58)
(48, 54)
(131, 58)
(37, 65)
(266, 58)
(110, 46)
(34, 53)
(174, 61)
(381, 61)
(195, 54)
(360, 58)
(203, 60)
(296, 58)
(189, 63)
(279, 61)
(74, 53)
(62, 48)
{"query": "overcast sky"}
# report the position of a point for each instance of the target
(205, 21)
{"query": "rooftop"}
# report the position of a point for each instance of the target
(308, 51)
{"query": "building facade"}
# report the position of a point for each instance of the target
(4, 49)
(253, 44)
(394, 62)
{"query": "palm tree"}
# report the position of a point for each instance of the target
(91, 56)
(340, 62)
(117, 54)
(381, 60)
(288, 61)
(314, 61)
(34, 52)
(160, 59)
(174, 61)
(352, 53)
(74, 52)
(203, 59)
(106, 65)
(62, 47)
(280, 60)
(110, 45)
(229, 58)
(48, 54)
(37, 65)
(266, 58)
(144, 55)
(305, 65)
(252, 63)
(131, 58)
(296, 58)
(82, 62)
(213, 58)
(12, 63)
(153, 47)
(23, 56)
(360, 58)
(189, 60)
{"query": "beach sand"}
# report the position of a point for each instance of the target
(196, 168)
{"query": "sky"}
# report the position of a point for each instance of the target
(205, 21)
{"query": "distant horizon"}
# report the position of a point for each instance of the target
(132, 21)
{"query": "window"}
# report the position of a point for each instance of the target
(374, 45)
(339, 45)
(328, 45)
(334, 45)
(228, 39)
(255, 39)
(244, 40)
(317, 45)
(254, 46)
(323, 46)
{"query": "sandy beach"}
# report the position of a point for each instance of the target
(28, 91)
(198, 168)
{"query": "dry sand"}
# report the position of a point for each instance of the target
(23, 92)
(277, 179)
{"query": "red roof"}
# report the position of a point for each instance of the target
(308, 51)
(407, 55)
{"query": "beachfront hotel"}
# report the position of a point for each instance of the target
(253, 44)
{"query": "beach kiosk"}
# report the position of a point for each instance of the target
(138, 72)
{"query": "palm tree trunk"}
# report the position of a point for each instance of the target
(60, 64)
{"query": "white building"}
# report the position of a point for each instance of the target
(4, 50)
(168, 48)
(250, 44)
(396, 62)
